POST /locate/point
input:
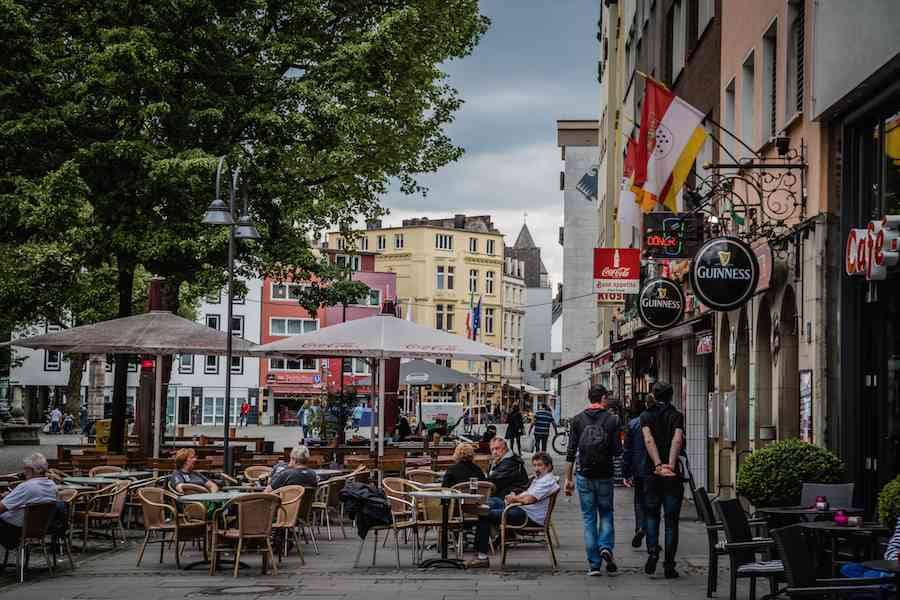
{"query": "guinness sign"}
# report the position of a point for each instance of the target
(661, 303)
(724, 273)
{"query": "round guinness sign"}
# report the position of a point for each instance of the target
(724, 273)
(661, 303)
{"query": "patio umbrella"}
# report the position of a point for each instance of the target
(421, 372)
(155, 333)
(378, 338)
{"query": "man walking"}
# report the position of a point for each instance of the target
(594, 441)
(663, 432)
(540, 427)
(636, 471)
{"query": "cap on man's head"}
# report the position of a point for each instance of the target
(662, 391)
(597, 393)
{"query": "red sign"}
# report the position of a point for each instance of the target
(874, 250)
(617, 270)
(764, 257)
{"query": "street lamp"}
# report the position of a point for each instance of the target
(219, 213)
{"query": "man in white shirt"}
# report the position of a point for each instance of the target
(534, 503)
(36, 488)
(56, 418)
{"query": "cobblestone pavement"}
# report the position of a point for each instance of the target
(102, 573)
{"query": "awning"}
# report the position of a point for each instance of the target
(295, 390)
(533, 391)
(683, 330)
(569, 365)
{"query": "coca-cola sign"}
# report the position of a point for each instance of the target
(617, 270)
(661, 303)
(724, 273)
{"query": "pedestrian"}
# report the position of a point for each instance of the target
(56, 418)
(594, 442)
(356, 416)
(245, 412)
(514, 428)
(68, 423)
(302, 416)
(540, 427)
(662, 427)
(635, 470)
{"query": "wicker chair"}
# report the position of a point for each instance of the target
(104, 470)
(34, 533)
(253, 474)
(286, 522)
(305, 517)
(104, 510)
(542, 533)
(252, 530)
(163, 524)
(423, 476)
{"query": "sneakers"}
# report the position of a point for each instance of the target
(638, 538)
(478, 563)
(670, 572)
(607, 555)
(592, 572)
(650, 565)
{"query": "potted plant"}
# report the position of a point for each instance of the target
(889, 502)
(774, 475)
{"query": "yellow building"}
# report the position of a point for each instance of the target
(442, 266)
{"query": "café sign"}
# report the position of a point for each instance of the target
(872, 251)
(724, 273)
(617, 271)
(661, 303)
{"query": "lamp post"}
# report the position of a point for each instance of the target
(219, 213)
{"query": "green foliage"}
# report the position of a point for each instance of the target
(773, 476)
(889, 502)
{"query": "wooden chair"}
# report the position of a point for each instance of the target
(286, 522)
(104, 511)
(255, 473)
(163, 524)
(35, 525)
(541, 533)
(252, 530)
(422, 476)
(742, 548)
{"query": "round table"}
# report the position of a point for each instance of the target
(834, 531)
(92, 481)
(446, 497)
(75, 486)
(885, 566)
(129, 475)
(329, 473)
(805, 511)
(211, 499)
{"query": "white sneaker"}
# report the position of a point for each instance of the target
(594, 573)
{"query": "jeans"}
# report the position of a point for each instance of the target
(516, 516)
(596, 497)
(667, 494)
(638, 488)
(540, 443)
(513, 442)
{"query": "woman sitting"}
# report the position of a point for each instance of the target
(464, 468)
(184, 471)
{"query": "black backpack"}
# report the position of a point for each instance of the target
(593, 445)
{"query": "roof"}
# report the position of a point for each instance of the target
(524, 240)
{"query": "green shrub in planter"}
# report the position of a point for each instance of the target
(774, 475)
(889, 503)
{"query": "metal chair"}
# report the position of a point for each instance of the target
(742, 548)
(252, 530)
(838, 494)
(542, 533)
(403, 518)
(36, 523)
(162, 522)
(286, 522)
(326, 504)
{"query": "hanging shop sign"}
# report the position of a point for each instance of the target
(871, 252)
(672, 235)
(704, 343)
(661, 303)
(724, 273)
(606, 299)
(617, 270)
(765, 259)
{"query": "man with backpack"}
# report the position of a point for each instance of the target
(662, 426)
(594, 442)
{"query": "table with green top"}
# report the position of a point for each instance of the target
(92, 481)
(213, 501)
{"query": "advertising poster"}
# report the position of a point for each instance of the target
(806, 405)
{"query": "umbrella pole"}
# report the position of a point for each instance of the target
(380, 409)
(157, 408)
(373, 404)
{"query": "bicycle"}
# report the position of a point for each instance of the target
(560, 441)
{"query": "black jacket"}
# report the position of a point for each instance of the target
(508, 476)
(515, 425)
(367, 505)
(462, 472)
(580, 423)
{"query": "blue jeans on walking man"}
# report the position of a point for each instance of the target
(596, 497)
(666, 494)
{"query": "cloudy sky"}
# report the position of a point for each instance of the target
(537, 64)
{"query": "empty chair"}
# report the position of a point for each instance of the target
(422, 476)
(104, 511)
(839, 495)
(252, 531)
(742, 548)
(255, 473)
(163, 524)
(104, 470)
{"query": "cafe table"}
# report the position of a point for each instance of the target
(212, 501)
(856, 534)
(75, 486)
(323, 474)
(886, 566)
(129, 475)
(446, 497)
(91, 481)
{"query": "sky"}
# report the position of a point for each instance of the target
(536, 64)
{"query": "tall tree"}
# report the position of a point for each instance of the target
(114, 112)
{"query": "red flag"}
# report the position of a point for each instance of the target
(656, 102)
(630, 157)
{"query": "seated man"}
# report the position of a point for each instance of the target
(533, 512)
(507, 470)
(184, 471)
(295, 473)
(36, 488)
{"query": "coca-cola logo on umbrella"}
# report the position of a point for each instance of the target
(661, 303)
(724, 273)
(617, 270)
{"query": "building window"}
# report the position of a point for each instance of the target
(748, 81)
(356, 366)
(443, 241)
(364, 243)
(473, 245)
(706, 11)
(373, 298)
(769, 82)
(214, 410)
(286, 327)
(444, 362)
(382, 242)
(441, 280)
(439, 316)
(473, 281)
(489, 282)
(451, 275)
(341, 244)
(186, 364)
(52, 360)
(237, 325)
(346, 261)
(489, 321)
(677, 30)
(211, 365)
(281, 364)
(730, 122)
(212, 321)
(489, 247)
(794, 73)
(214, 298)
(398, 241)
(237, 365)
(287, 291)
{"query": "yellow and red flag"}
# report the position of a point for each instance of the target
(671, 136)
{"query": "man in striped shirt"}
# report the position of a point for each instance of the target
(540, 427)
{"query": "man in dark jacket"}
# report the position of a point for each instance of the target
(594, 442)
(635, 470)
(507, 471)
